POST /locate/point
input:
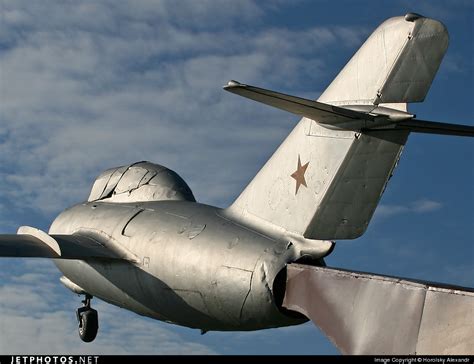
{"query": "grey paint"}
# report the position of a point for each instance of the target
(232, 290)
(396, 64)
(364, 313)
(355, 191)
(141, 181)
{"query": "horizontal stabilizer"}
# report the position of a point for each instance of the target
(322, 113)
(364, 313)
(34, 243)
(349, 117)
(431, 127)
(24, 246)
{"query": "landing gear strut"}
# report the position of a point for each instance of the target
(88, 320)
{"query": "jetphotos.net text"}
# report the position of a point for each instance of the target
(56, 359)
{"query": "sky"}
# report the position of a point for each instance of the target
(89, 85)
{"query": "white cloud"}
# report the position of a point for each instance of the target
(390, 210)
(419, 206)
(113, 83)
(56, 333)
(422, 206)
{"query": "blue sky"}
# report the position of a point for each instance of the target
(88, 85)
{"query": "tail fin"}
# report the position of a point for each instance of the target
(325, 181)
(396, 64)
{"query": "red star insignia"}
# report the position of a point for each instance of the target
(299, 175)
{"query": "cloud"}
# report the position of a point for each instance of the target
(422, 206)
(419, 207)
(135, 15)
(113, 83)
(390, 210)
(56, 333)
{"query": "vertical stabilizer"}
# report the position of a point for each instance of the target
(396, 64)
(325, 182)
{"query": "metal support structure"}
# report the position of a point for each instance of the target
(364, 313)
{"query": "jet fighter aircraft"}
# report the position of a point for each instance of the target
(142, 242)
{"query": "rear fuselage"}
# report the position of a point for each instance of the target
(189, 264)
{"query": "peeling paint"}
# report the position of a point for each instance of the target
(231, 244)
(195, 230)
(266, 284)
(360, 312)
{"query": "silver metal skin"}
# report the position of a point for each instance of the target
(365, 313)
(194, 267)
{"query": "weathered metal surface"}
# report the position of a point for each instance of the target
(417, 64)
(348, 117)
(399, 59)
(26, 246)
(346, 171)
(71, 285)
(323, 113)
(355, 191)
(139, 182)
(364, 313)
(345, 178)
(42, 236)
(447, 325)
(31, 242)
(280, 204)
(106, 182)
(193, 266)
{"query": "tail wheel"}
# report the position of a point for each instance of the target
(88, 325)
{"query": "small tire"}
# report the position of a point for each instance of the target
(88, 325)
